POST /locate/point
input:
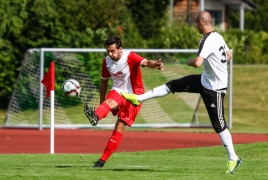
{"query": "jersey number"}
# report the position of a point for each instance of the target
(222, 48)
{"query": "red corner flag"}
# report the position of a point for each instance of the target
(49, 79)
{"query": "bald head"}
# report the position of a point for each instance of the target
(203, 22)
(205, 17)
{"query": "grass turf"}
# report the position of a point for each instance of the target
(194, 164)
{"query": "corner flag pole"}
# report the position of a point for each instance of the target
(52, 122)
(49, 82)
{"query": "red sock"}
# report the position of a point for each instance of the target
(102, 110)
(113, 143)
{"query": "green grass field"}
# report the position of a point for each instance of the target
(186, 164)
(249, 116)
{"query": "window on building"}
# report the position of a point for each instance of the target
(216, 17)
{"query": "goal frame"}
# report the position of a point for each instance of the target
(184, 125)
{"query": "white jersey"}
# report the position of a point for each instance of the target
(213, 49)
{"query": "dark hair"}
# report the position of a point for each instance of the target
(113, 40)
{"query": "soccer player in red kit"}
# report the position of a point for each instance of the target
(123, 67)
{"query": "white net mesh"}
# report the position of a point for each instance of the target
(172, 110)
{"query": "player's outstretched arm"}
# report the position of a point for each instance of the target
(153, 64)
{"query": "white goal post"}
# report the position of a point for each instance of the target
(164, 115)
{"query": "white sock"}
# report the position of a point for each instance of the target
(226, 139)
(159, 91)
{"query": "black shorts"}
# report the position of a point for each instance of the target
(213, 100)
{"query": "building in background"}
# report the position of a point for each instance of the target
(186, 10)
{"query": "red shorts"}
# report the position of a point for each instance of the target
(125, 111)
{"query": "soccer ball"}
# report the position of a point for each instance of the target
(71, 88)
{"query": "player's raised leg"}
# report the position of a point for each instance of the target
(159, 91)
(133, 98)
(101, 111)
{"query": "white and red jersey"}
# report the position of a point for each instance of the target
(125, 72)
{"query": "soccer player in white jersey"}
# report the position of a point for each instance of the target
(123, 67)
(214, 53)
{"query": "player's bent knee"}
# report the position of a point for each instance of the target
(219, 130)
(112, 103)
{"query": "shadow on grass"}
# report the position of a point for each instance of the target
(65, 166)
(126, 169)
(141, 169)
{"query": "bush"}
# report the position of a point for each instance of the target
(87, 23)
(249, 46)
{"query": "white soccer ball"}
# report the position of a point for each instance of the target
(71, 88)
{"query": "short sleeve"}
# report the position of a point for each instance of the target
(206, 50)
(137, 59)
(104, 73)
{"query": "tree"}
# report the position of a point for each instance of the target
(12, 15)
(254, 20)
(29, 24)
(148, 16)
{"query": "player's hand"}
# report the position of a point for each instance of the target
(189, 62)
(159, 65)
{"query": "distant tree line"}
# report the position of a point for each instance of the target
(29, 24)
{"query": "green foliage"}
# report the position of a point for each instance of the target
(29, 24)
(12, 15)
(91, 63)
(131, 38)
(177, 36)
(249, 46)
(148, 15)
(83, 23)
(254, 20)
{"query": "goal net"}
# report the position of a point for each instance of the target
(28, 107)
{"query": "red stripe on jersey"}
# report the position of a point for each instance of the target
(134, 61)
(105, 73)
